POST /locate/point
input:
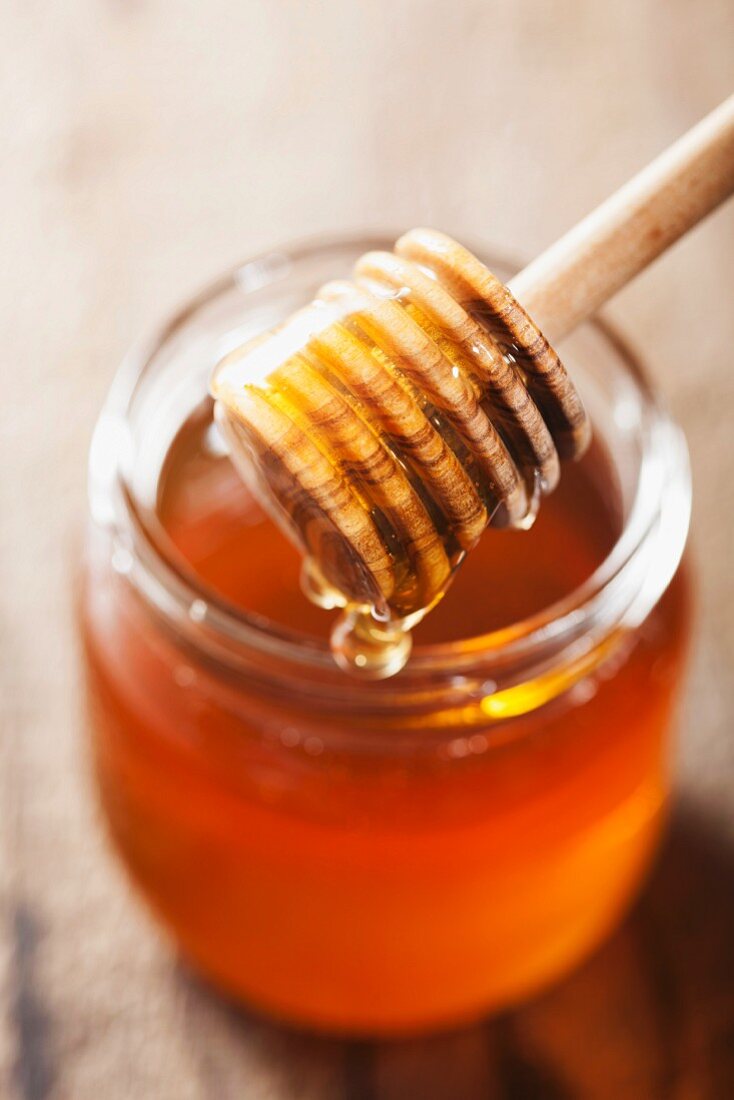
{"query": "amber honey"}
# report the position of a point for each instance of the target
(390, 857)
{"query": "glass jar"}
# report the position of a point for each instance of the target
(378, 858)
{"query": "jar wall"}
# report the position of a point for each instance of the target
(375, 891)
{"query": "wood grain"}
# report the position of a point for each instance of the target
(149, 145)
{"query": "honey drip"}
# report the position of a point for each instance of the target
(388, 423)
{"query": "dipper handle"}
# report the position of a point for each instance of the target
(575, 276)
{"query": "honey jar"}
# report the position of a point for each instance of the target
(378, 857)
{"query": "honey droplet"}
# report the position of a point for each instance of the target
(316, 589)
(366, 648)
(534, 498)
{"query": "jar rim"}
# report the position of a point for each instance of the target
(618, 595)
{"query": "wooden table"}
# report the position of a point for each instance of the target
(149, 144)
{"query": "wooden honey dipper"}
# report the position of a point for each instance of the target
(388, 423)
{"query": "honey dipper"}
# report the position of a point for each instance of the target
(388, 423)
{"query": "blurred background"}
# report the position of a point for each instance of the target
(148, 145)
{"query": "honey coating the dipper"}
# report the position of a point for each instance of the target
(388, 423)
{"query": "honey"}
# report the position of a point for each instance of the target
(378, 858)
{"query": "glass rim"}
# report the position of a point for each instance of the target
(619, 594)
